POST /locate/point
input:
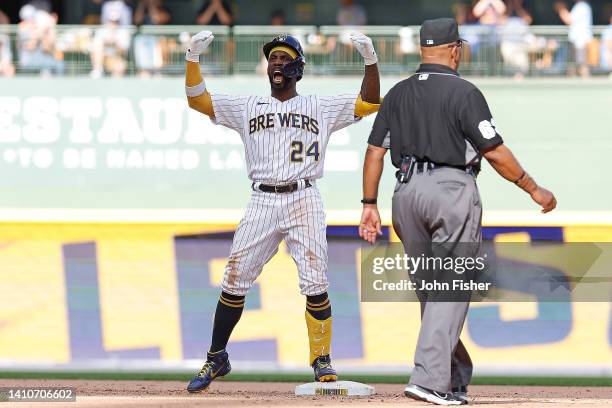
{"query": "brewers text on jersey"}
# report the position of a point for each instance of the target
(294, 120)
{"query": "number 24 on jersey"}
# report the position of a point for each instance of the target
(297, 151)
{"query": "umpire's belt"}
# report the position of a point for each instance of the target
(423, 166)
(283, 188)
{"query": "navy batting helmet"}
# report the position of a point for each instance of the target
(295, 68)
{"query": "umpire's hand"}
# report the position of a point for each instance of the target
(369, 227)
(544, 198)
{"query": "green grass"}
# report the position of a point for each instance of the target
(301, 378)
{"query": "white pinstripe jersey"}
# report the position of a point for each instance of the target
(284, 141)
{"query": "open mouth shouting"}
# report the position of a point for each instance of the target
(277, 76)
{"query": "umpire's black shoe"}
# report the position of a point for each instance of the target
(423, 394)
(461, 393)
(217, 365)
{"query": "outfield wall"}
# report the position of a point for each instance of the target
(142, 296)
(133, 144)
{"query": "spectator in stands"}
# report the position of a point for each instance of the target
(151, 12)
(463, 14)
(407, 43)
(580, 22)
(351, 14)
(489, 12)
(514, 34)
(470, 30)
(606, 46)
(6, 56)
(92, 9)
(112, 8)
(36, 40)
(277, 18)
(149, 49)
(320, 45)
(215, 12)
(110, 45)
(4, 18)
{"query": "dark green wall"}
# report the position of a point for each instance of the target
(389, 12)
(323, 12)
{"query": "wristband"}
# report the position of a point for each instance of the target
(192, 56)
(196, 90)
(520, 177)
(371, 60)
(369, 201)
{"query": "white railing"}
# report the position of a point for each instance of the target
(159, 50)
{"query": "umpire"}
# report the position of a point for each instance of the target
(438, 127)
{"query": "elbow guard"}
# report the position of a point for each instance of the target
(363, 108)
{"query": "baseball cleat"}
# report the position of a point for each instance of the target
(323, 370)
(217, 365)
(439, 398)
(460, 393)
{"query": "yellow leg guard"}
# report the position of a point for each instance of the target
(319, 336)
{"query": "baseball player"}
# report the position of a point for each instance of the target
(285, 136)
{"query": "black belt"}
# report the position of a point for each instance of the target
(285, 188)
(423, 166)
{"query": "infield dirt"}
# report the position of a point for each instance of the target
(245, 394)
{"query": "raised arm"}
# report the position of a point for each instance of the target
(206, 15)
(370, 86)
(482, 5)
(225, 16)
(195, 88)
(564, 13)
(369, 97)
(139, 14)
(504, 162)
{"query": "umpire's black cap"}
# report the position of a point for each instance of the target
(439, 31)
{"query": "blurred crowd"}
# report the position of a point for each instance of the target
(41, 47)
(116, 33)
(506, 23)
